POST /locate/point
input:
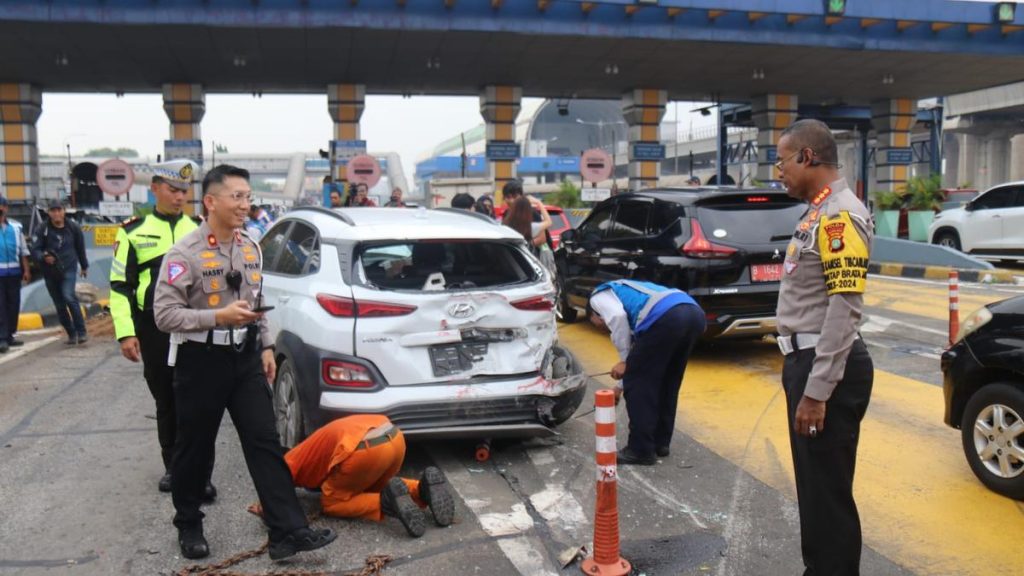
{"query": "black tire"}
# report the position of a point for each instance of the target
(948, 238)
(995, 454)
(564, 312)
(288, 406)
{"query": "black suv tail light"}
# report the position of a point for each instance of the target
(698, 246)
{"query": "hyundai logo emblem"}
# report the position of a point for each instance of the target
(461, 310)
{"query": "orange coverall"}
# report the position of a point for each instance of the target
(350, 478)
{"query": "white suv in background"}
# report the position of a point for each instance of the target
(440, 319)
(991, 225)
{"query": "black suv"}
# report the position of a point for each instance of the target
(723, 246)
(983, 381)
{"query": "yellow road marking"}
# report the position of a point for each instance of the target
(921, 299)
(920, 504)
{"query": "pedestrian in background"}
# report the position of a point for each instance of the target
(59, 249)
(396, 199)
(654, 330)
(485, 205)
(14, 272)
(335, 198)
(827, 373)
(209, 288)
(360, 197)
(254, 224)
(139, 250)
(463, 201)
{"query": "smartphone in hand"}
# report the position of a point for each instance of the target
(263, 309)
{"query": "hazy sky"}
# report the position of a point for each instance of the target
(272, 124)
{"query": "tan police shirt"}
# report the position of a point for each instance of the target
(823, 281)
(193, 281)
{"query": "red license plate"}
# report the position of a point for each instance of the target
(765, 272)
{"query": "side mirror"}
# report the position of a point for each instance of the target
(568, 236)
(969, 207)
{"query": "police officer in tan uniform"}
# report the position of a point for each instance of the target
(827, 373)
(207, 297)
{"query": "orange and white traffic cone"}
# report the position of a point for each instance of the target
(954, 306)
(605, 561)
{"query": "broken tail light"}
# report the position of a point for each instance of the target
(341, 307)
(346, 374)
(535, 304)
(698, 246)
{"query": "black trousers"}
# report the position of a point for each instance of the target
(830, 535)
(10, 306)
(654, 373)
(207, 381)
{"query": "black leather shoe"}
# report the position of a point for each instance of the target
(209, 492)
(165, 482)
(193, 543)
(628, 457)
(301, 540)
(434, 491)
(662, 451)
(83, 338)
(71, 341)
(4, 347)
(14, 343)
(396, 502)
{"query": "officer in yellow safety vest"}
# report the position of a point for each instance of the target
(138, 252)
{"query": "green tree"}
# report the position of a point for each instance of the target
(924, 192)
(107, 152)
(568, 196)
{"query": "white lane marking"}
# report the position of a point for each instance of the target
(876, 323)
(28, 347)
(560, 507)
(525, 552)
(507, 523)
(526, 555)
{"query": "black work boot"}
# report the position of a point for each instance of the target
(434, 491)
(193, 543)
(301, 540)
(165, 482)
(662, 451)
(628, 457)
(396, 502)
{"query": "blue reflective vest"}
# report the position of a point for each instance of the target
(645, 302)
(12, 248)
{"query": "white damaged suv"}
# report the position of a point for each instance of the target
(440, 319)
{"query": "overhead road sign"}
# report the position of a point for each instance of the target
(502, 150)
(648, 151)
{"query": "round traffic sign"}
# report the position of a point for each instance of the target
(363, 169)
(115, 177)
(595, 165)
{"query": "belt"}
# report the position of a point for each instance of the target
(799, 341)
(386, 436)
(218, 337)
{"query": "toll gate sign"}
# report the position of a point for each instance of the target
(595, 165)
(115, 177)
(363, 169)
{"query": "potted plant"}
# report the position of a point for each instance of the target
(887, 212)
(924, 198)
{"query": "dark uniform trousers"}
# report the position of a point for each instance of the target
(830, 534)
(654, 373)
(207, 380)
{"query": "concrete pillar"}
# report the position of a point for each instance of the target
(345, 103)
(643, 109)
(967, 163)
(20, 107)
(185, 105)
(892, 121)
(998, 155)
(499, 105)
(1017, 157)
(771, 113)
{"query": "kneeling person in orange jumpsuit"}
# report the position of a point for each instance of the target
(353, 461)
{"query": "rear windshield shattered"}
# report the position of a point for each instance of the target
(441, 265)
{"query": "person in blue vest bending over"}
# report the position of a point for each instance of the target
(654, 328)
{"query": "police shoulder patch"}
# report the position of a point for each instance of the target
(131, 223)
(175, 270)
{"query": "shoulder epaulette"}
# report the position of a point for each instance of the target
(198, 220)
(132, 223)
